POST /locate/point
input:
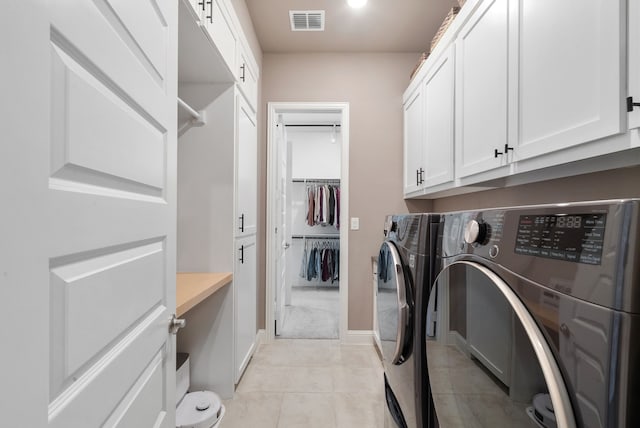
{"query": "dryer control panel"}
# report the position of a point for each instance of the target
(575, 238)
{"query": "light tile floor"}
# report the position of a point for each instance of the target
(309, 383)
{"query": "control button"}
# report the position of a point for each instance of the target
(475, 232)
(494, 251)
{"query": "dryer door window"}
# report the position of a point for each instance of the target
(394, 306)
(489, 364)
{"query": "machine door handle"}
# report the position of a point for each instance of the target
(176, 324)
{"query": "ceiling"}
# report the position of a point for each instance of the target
(380, 26)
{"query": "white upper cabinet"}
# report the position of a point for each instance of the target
(247, 75)
(571, 75)
(438, 122)
(203, 55)
(413, 140)
(219, 27)
(246, 168)
(197, 8)
(634, 63)
(542, 89)
(482, 90)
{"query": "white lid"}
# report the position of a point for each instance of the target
(188, 415)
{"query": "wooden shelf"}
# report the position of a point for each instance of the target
(193, 287)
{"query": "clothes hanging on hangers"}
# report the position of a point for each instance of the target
(323, 205)
(321, 260)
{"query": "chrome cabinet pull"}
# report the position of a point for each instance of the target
(176, 324)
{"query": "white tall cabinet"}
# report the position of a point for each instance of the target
(217, 191)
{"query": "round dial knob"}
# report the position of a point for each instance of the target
(475, 232)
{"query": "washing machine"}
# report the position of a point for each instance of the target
(405, 271)
(534, 317)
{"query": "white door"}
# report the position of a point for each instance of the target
(634, 61)
(438, 122)
(244, 283)
(247, 167)
(570, 73)
(413, 141)
(282, 234)
(91, 179)
(481, 90)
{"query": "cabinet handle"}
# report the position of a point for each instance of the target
(421, 175)
(241, 223)
(496, 153)
(201, 3)
(417, 177)
(507, 148)
(241, 254)
(631, 104)
(210, 16)
(243, 69)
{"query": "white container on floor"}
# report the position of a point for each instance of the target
(200, 409)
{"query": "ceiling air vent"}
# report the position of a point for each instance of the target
(307, 20)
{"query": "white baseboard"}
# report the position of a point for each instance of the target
(261, 336)
(358, 337)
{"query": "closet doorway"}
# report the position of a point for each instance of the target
(307, 213)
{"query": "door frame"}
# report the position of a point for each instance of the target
(273, 110)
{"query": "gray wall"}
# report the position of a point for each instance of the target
(613, 184)
(373, 85)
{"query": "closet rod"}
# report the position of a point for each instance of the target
(316, 180)
(326, 125)
(194, 114)
(315, 237)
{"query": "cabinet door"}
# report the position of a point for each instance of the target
(413, 140)
(220, 30)
(634, 62)
(482, 90)
(438, 122)
(197, 8)
(246, 168)
(244, 281)
(247, 77)
(570, 73)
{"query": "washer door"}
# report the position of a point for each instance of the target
(489, 363)
(394, 306)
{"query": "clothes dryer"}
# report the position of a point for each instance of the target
(534, 317)
(405, 269)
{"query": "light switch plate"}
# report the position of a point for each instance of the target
(355, 223)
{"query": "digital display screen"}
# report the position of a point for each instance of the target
(576, 238)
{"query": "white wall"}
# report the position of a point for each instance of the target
(313, 154)
(372, 84)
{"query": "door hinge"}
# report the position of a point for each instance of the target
(631, 104)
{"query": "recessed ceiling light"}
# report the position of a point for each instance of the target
(356, 3)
